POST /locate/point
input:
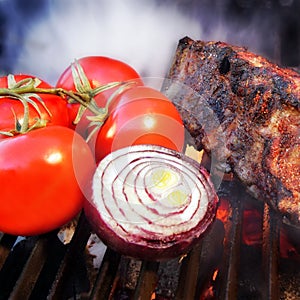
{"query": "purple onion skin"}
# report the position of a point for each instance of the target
(156, 250)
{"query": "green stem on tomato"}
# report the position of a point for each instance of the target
(100, 118)
(27, 87)
(25, 124)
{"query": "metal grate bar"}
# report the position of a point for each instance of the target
(127, 277)
(210, 260)
(74, 250)
(228, 275)
(103, 285)
(31, 270)
(56, 251)
(14, 265)
(200, 265)
(189, 274)
(270, 254)
(147, 281)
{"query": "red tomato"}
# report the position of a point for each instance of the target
(12, 109)
(99, 70)
(141, 115)
(42, 175)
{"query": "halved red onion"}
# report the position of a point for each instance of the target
(151, 202)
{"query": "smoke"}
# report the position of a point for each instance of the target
(139, 32)
(45, 36)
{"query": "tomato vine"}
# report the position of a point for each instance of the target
(27, 91)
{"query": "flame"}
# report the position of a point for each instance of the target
(215, 274)
(208, 294)
(223, 209)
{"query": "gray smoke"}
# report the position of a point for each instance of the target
(139, 32)
(45, 36)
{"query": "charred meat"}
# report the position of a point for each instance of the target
(245, 111)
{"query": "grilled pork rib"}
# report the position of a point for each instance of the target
(245, 111)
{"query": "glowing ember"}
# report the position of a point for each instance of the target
(223, 209)
(252, 227)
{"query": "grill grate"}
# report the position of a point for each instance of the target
(222, 266)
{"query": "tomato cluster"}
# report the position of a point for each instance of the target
(51, 138)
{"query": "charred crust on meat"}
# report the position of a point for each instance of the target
(224, 67)
(185, 41)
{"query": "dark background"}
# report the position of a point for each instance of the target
(275, 22)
